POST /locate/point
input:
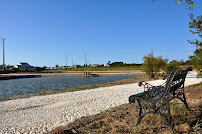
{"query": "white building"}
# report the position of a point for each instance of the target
(106, 65)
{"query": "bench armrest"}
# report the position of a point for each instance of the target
(188, 69)
(148, 86)
(143, 83)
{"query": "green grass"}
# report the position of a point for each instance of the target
(196, 85)
(199, 74)
(112, 68)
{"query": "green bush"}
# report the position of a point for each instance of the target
(153, 65)
(169, 67)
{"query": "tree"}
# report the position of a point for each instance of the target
(57, 66)
(44, 67)
(152, 65)
(181, 62)
(170, 66)
(196, 26)
(188, 3)
(117, 64)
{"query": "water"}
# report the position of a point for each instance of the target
(16, 87)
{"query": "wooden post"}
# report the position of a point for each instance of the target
(85, 74)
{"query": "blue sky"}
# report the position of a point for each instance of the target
(42, 32)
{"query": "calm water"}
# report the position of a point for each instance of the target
(33, 85)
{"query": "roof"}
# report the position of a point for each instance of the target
(23, 63)
(96, 64)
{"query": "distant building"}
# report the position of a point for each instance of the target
(95, 65)
(66, 67)
(76, 66)
(1, 67)
(23, 66)
(106, 65)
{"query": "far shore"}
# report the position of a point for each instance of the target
(64, 73)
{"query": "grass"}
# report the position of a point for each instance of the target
(112, 68)
(123, 119)
(196, 85)
(199, 74)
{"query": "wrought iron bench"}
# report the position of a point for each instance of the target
(155, 99)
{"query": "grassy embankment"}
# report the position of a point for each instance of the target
(112, 68)
(122, 119)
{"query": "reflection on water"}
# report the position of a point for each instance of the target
(33, 85)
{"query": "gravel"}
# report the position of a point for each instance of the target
(41, 114)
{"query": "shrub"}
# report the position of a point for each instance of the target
(169, 67)
(152, 65)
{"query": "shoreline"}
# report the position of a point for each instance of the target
(78, 73)
(18, 77)
(138, 78)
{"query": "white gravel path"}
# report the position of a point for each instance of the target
(41, 114)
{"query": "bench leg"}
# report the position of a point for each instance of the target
(184, 98)
(185, 101)
(169, 117)
(170, 122)
(140, 113)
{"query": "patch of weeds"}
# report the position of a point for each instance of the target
(195, 85)
(159, 118)
(152, 119)
(199, 74)
(122, 129)
(179, 114)
(94, 86)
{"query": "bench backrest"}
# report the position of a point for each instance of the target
(176, 79)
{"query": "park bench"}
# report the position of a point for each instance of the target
(155, 99)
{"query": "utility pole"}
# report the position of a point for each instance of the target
(152, 53)
(85, 61)
(3, 54)
(86, 73)
(66, 60)
(72, 62)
